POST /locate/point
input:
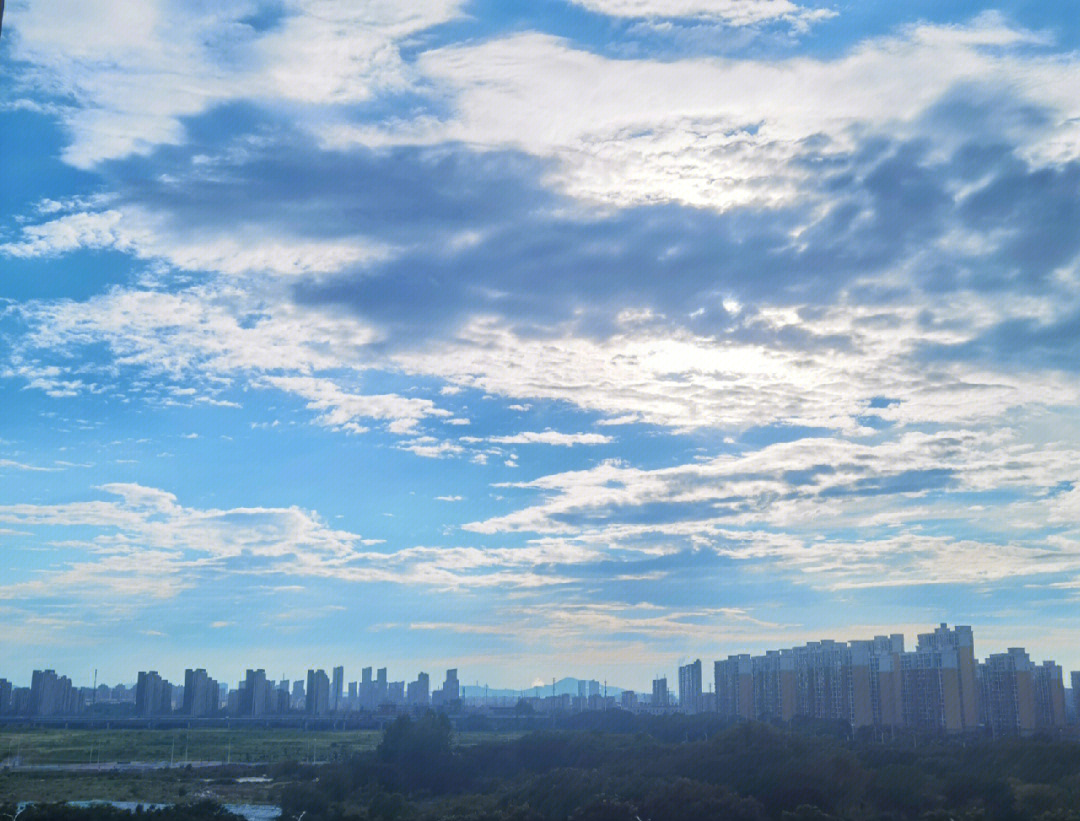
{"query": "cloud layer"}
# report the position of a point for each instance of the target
(696, 342)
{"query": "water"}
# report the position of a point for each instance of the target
(252, 812)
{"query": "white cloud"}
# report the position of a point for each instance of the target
(134, 73)
(551, 437)
(340, 409)
(10, 463)
(793, 504)
(141, 545)
(719, 132)
(686, 381)
(731, 12)
(207, 333)
(239, 251)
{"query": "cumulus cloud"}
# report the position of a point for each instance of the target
(134, 231)
(341, 409)
(143, 545)
(133, 74)
(731, 12)
(722, 133)
(792, 504)
(552, 437)
(829, 301)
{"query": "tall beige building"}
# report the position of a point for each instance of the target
(1008, 695)
(938, 687)
(1048, 685)
(961, 641)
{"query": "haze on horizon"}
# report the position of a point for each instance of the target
(575, 338)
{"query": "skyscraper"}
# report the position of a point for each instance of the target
(957, 644)
(1048, 688)
(53, 695)
(153, 695)
(337, 686)
(298, 699)
(255, 694)
(367, 689)
(317, 702)
(690, 687)
(734, 681)
(200, 694)
(418, 692)
(1008, 697)
(381, 694)
(451, 689)
(659, 692)
(1074, 679)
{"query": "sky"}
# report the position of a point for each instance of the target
(561, 337)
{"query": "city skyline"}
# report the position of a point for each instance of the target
(939, 687)
(688, 676)
(574, 336)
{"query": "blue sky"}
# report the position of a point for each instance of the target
(550, 338)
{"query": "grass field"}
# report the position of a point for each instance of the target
(156, 787)
(59, 746)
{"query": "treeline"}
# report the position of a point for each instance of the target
(667, 772)
(610, 767)
(200, 811)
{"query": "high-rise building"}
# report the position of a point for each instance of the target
(318, 693)
(5, 697)
(337, 686)
(961, 642)
(660, 692)
(628, 700)
(734, 681)
(395, 692)
(1006, 683)
(368, 700)
(1074, 679)
(53, 695)
(255, 698)
(886, 702)
(153, 695)
(451, 689)
(298, 699)
(930, 690)
(419, 692)
(690, 687)
(380, 687)
(20, 701)
(1049, 694)
(773, 677)
(200, 694)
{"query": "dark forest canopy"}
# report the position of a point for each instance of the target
(678, 769)
(616, 767)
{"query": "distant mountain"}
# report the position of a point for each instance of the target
(564, 686)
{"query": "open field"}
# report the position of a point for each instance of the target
(156, 787)
(179, 746)
(37, 747)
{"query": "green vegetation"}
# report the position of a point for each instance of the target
(151, 787)
(200, 811)
(55, 746)
(672, 768)
(247, 745)
(748, 772)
